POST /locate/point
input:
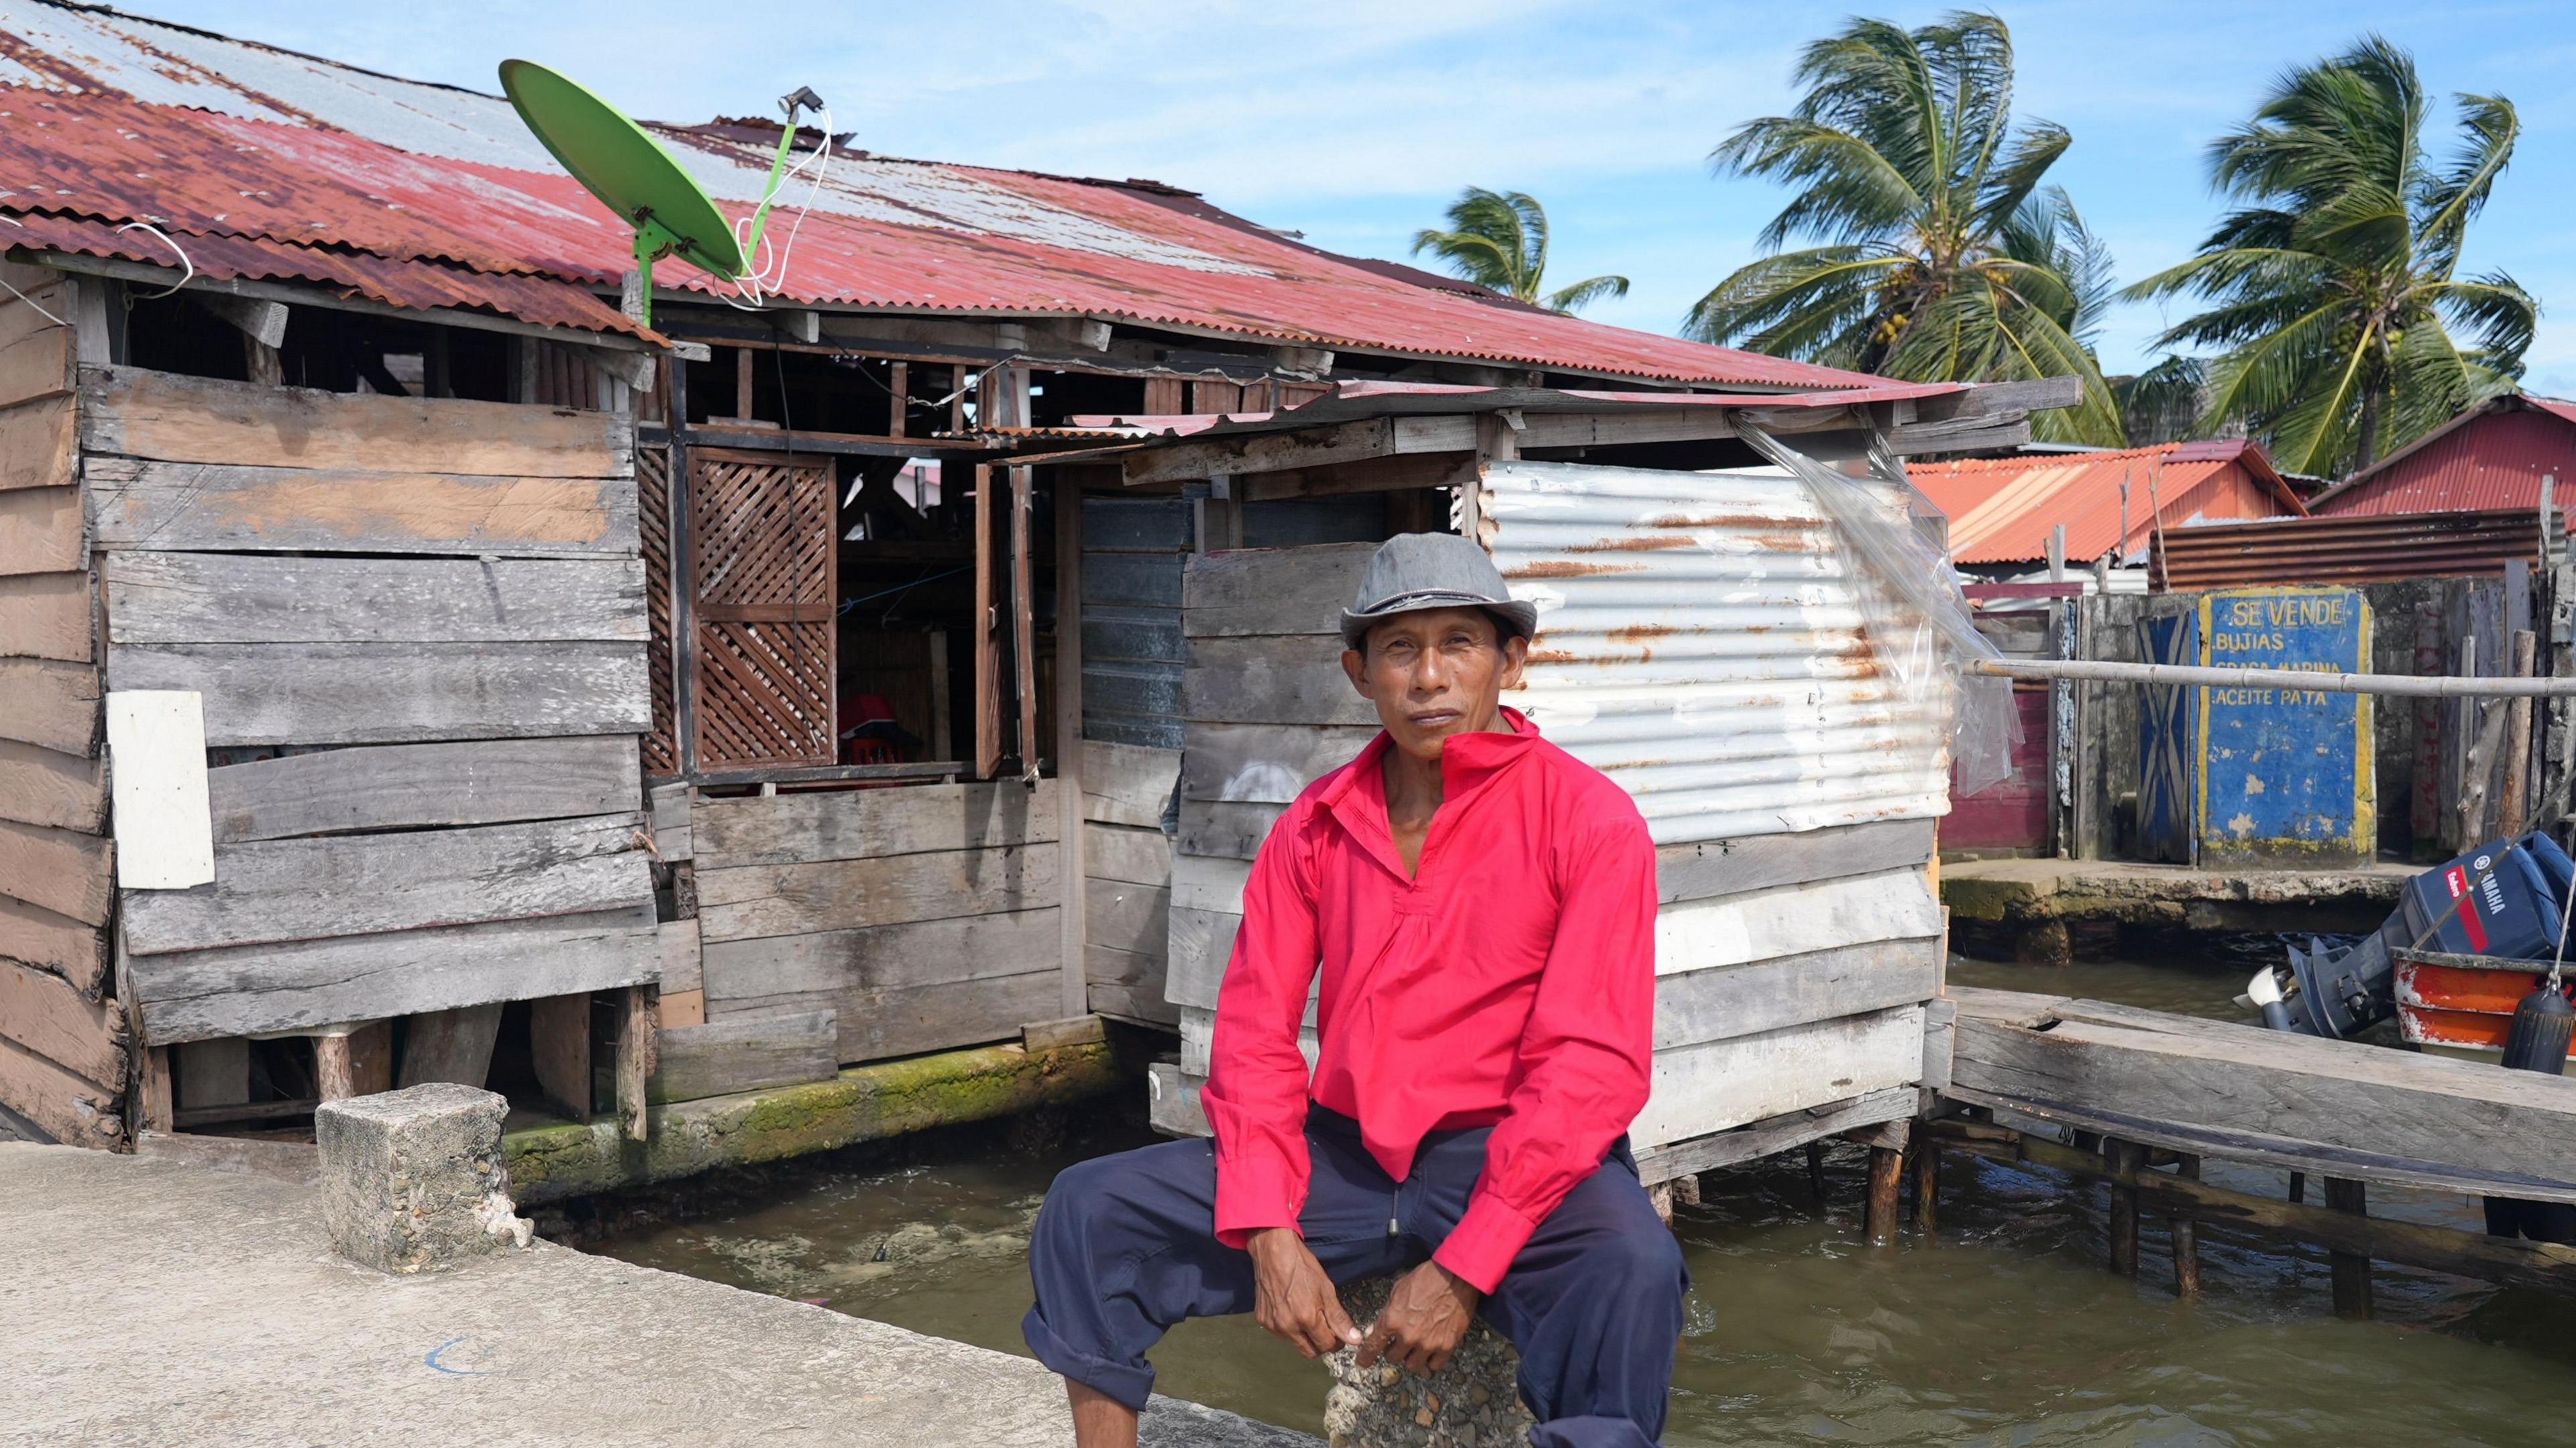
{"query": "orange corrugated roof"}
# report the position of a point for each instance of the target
(2002, 510)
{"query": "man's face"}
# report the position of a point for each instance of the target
(1434, 673)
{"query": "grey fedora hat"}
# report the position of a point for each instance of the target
(1413, 571)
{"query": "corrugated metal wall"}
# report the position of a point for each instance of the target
(1700, 643)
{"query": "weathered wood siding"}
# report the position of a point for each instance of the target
(1127, 869)
(922, 917)
(63, 1038)
(430, 612)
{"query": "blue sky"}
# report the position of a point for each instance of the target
(1355, 123)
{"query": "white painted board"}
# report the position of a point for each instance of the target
(156, 748)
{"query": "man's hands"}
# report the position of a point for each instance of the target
(1293, 1298)
(1426, 1315)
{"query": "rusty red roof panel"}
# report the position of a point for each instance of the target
(2002, 510)
(2488, 458)
(537, 300)
(2345, 548)
(116, 118)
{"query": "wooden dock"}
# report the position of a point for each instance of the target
(2143, 1098)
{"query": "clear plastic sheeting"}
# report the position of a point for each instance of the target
(1909, 596)
(1707, 639)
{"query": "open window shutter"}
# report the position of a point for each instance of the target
(762, 556)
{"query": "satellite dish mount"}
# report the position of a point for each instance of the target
(633, 175)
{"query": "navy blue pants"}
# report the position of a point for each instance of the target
(1126, 1246)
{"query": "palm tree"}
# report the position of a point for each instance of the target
(1498, 240)
(1939, 254)
(2335, 290)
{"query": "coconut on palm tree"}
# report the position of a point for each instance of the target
(1498, 240)
(1939, 253)
(2335, 290)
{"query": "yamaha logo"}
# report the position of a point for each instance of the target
(2480, 863)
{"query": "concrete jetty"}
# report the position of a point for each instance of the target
(152, 1302)
(2033, 910)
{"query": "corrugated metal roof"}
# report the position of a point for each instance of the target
(118, 118)
(533, 299)
(2002, 510)
(2490, 457)
(1354, 401)
(1699, 642)
(2346, 548)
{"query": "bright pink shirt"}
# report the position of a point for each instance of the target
(1510, 983)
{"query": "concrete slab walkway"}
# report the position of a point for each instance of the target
(2029, 905)
(153, 1302)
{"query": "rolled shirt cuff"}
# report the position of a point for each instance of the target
(1481, 1248)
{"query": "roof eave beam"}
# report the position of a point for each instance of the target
(315, 296)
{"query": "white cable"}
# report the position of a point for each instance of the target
(22, 296)
(2558, 962)
(757, 284)
(174, 246)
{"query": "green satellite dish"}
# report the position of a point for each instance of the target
(635, 177)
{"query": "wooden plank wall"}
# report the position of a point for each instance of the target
(1133, 550)
(63, 1039)
(1792, 969)
(922, 916)
(418, 626)
(1127, 869)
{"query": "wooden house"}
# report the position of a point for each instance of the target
(1702, 640)
(412, 668)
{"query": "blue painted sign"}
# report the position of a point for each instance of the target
(2285, 772)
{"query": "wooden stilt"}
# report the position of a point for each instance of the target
(1816, 1170)
(2123, 1158)
(2186, 1240)
(559, 1044)
(2351, 1269)
(637, 1051)
(1686, 1190)
(156, 1097)
(1927, 1185)
(1886, 1177)
(1661, 1194)
(357, 1062)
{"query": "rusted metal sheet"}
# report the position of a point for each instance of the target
(2345, 548)
(2491, 457)
(1700, 642)
(2002, 510)
(538, 300)
(116, 118)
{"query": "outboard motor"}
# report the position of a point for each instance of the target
(2500, 899)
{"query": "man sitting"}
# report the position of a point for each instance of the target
(1482, 908)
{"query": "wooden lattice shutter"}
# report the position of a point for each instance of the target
(653, 519)
(762, 556)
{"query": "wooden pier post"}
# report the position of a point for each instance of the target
(2186, 1239)
(1927, 1184)
(2351, 1269)
(1816, 1170)
(2124, 1158)
(1886, 1175)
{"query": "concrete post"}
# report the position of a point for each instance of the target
(1474, 1402)
(413, 1180)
